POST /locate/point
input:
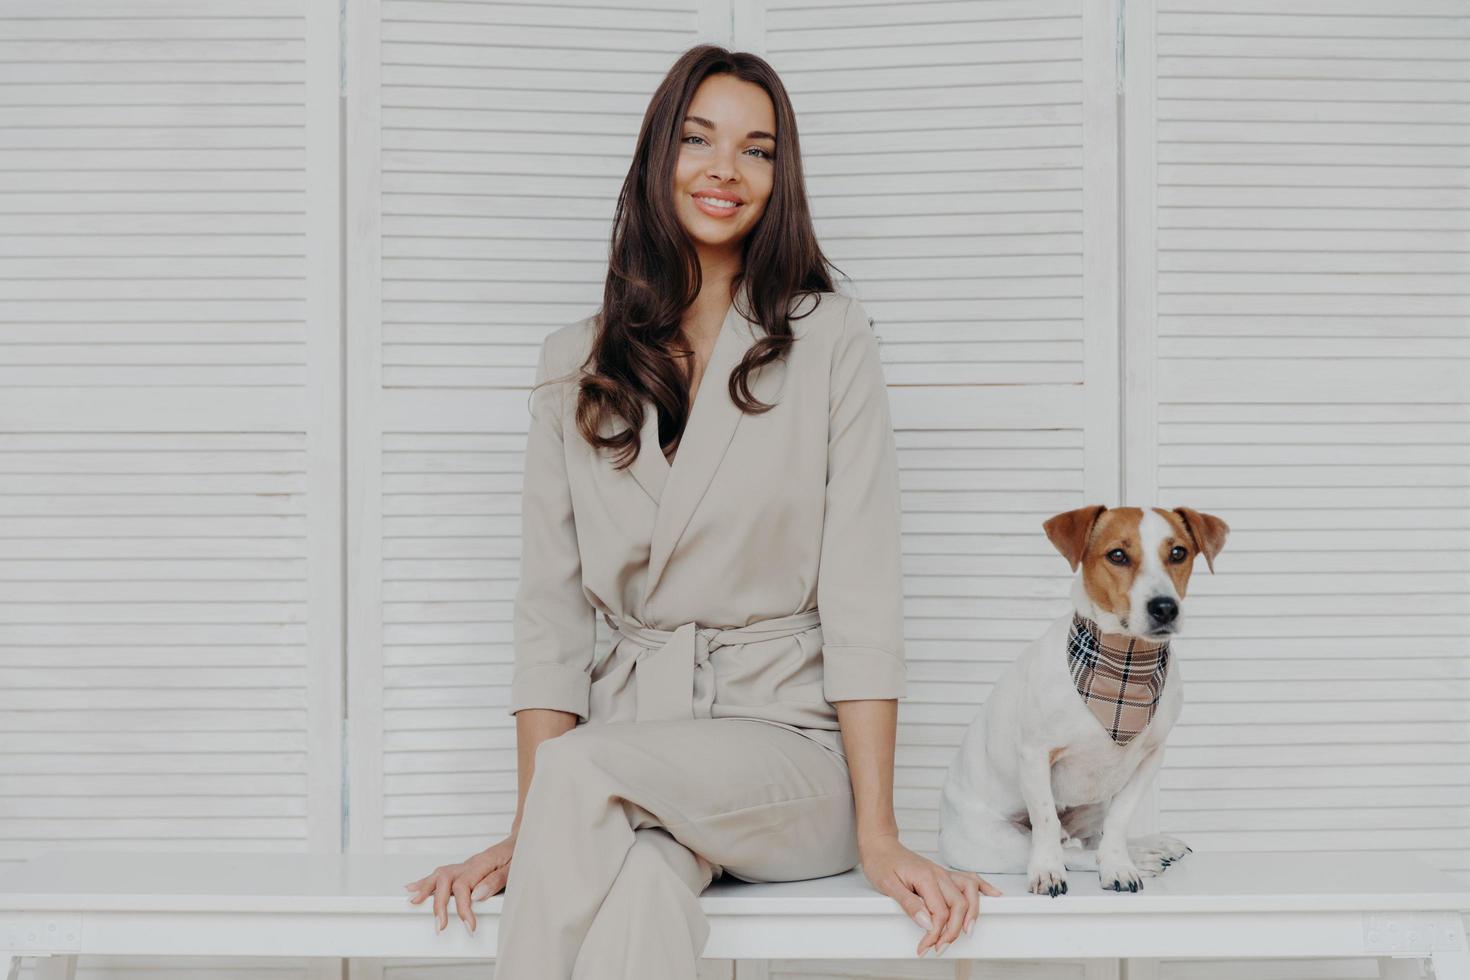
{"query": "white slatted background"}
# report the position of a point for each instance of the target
(502, 136)
(504, 133)
(170, 663)
(488, 143)
(1309, 239)
(949, 149)
(948, 163)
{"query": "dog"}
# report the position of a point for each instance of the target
(1059, 755)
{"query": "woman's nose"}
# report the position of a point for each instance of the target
(722, 166)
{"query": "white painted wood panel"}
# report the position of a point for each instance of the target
(487, 142)
(170, 481)
(1298, 196)
(961, 165)
(951, 191)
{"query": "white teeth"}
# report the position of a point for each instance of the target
(716, 202)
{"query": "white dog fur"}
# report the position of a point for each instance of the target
(1038, 787)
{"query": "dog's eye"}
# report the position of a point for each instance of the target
(1178, 554)
(1118, 556)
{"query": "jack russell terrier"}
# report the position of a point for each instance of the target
(1053, 766)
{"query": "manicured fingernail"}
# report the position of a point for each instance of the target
(969, 925)
(923, 920)
(941, 949)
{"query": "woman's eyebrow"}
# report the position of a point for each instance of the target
(754, 134)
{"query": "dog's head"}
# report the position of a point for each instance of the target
(1136, 563)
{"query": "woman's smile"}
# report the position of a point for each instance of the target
(717, 204)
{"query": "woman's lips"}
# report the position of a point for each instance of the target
(714, 210)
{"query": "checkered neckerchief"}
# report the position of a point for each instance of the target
(1120, 677)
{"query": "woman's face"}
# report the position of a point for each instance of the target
(726, 151)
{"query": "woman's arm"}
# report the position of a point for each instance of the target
(554, 624)
(860, 595)
(869, 731)
(534, 726)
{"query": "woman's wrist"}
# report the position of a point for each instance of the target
(868, 836)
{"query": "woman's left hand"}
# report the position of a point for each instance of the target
(941, 900)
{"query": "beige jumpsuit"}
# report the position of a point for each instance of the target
(750, 584)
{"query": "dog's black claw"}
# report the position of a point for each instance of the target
(1133, 886)
(1189, 849)
(1064, 888)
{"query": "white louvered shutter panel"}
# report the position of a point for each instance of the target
(962, 175)
(488, 142)
(1299, 287)
(169, 478)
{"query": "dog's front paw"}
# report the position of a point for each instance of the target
(1120, 877)
(1154, 853)
(1048, 877)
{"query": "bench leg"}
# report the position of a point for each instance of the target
(11, 966)
(716, 970)
(1398, 968)
(752, 970)
(56, 968)
(1451, 964)
(1138, 968)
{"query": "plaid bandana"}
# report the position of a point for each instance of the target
(1120, 677)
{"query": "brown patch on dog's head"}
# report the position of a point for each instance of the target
(1109, 546)
(1206, 532)
(1071, 530)
(1191, 533)
(1086, 537)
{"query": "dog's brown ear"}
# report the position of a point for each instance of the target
(1070, 531)
(1208, 531)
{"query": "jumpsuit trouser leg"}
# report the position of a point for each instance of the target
(626, 823)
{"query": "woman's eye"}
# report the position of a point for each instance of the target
(1118, 556)
(762, 152)
(693, 136)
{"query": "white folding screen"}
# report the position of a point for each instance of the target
(486, 145)
(170, 478)
(1298, 240)
(962, 165)
(171, 418)
(950, 189)
(961, 160)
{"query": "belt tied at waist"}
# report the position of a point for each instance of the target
(673, 676)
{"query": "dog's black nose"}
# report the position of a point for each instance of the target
(1163, 609)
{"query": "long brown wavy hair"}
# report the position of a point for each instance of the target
(654, 274)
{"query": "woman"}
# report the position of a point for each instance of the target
(743, 720)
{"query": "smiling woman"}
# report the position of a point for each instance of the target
(714, 201)
(743, 721)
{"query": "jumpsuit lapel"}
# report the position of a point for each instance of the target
(678, 489)
(650, 469)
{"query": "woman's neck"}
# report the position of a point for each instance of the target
(703, 318)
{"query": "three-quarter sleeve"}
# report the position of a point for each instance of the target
(860, 579)
(554, 623)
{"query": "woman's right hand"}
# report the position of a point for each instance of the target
(481, 876)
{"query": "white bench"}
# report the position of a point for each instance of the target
(1210, 905)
